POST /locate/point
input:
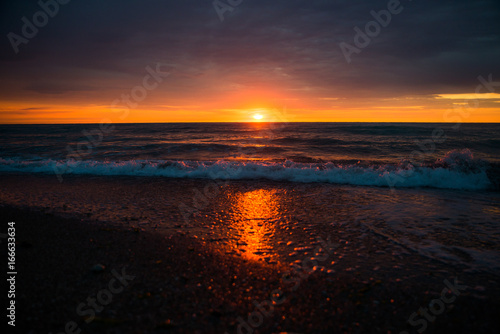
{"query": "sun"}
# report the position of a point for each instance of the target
(258, 117)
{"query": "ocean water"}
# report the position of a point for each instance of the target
(425, 189)
(450, 156)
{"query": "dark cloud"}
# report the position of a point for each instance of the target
(430, 47)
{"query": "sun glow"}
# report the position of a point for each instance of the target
(258, 117)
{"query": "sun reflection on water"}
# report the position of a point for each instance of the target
(255, 215)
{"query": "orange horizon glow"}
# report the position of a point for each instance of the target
(266, 107)
(291, 68)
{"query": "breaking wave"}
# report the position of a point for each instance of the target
(456, 170)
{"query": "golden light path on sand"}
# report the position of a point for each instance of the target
(254, 215)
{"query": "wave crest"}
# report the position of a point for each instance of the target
(456, 170)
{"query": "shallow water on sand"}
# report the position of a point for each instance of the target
(282, 223)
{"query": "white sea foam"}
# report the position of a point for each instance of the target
(438, 176)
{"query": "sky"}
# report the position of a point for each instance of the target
(130, 61)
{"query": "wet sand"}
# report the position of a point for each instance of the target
(258, 257)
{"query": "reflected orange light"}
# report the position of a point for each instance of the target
(255, 212)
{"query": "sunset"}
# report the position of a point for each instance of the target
(250, 166)
(201, 69)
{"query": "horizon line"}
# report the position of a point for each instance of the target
(395, 122)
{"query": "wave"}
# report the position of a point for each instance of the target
(457, 170)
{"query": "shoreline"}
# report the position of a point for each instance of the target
(209, 277)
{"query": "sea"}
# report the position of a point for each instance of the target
(267, 191)
(394, 155)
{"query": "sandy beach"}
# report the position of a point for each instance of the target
(231, 266)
